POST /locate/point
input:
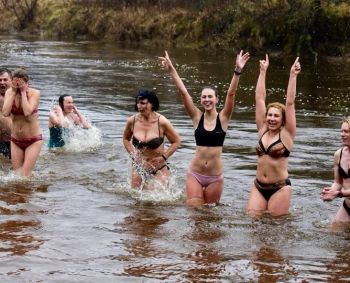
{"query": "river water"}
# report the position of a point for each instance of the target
(76, 220)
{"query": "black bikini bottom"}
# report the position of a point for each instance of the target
(346, 207)
(267, 190)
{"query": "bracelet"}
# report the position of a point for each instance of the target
(237, 71)
(340, 195)
(164, 157)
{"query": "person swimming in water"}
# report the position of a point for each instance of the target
(143, 139)
(62, 117)
(276, 123)
(21, 104)
(205, 180)
(341, 185)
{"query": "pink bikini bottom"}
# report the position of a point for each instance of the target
(205, 180)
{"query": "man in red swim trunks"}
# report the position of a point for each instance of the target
(5, 122)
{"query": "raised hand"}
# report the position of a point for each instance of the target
(264, 64)
(242, 59)
(166, 62)
(296, 67)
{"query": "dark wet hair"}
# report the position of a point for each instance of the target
(5, 70)
(150, 96)
(211, 88)
(21, 73)
(61, 99)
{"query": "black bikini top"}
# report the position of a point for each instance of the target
(276, 150)
(151, 144)
(212, 138)
(341, 171)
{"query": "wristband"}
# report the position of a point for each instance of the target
(237, 71)
(164, 157)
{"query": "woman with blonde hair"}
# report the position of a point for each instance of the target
(271, 191)
(341, 183)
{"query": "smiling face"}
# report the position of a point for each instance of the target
(274, 118)
(345, 133)
(209, 99)
(68, 104)
(143, 106)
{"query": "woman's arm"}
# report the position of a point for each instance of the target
(173, 138)
(260, 94)
(330, 193)
(190, 108)
(290, 125)
(81, 121)
(8, 101)
(241, 60)
(31, 103)
(127, 135)
(56, 117)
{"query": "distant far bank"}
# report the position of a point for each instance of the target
(313, 27)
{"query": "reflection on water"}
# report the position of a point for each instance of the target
(145, 228)
(271, 266)
(206, 261)
(16, 229)
(77, 220)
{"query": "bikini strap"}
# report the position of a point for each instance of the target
(341, 153)
(158, 126)
(133, 123)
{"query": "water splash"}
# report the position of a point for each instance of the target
(162, 189)
(78, 139)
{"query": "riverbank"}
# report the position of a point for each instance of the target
(312, 27)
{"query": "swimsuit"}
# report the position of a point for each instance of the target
(56, 139)
(276, 150)
(151, 144)
(155, 171)
(212, 138)
(205, 180)
(19, 110)
(346, 207)
(341, 171)
(267, 190)
(5, 149)
(23, 143)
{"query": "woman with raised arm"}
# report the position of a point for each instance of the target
(21, 102)
(276, 123)
(143, 139)
(341, 184)
(204, 183)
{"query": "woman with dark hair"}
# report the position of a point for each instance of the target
(271, 191)
(143, 139)
(62, 117)
(341, 185)
(205, 180)
(21, 102)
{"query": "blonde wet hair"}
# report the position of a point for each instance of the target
(346, 120)
(280, 107)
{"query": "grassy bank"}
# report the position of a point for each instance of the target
(299, 26)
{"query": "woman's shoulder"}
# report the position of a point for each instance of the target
(33, 92)
(337, 154)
